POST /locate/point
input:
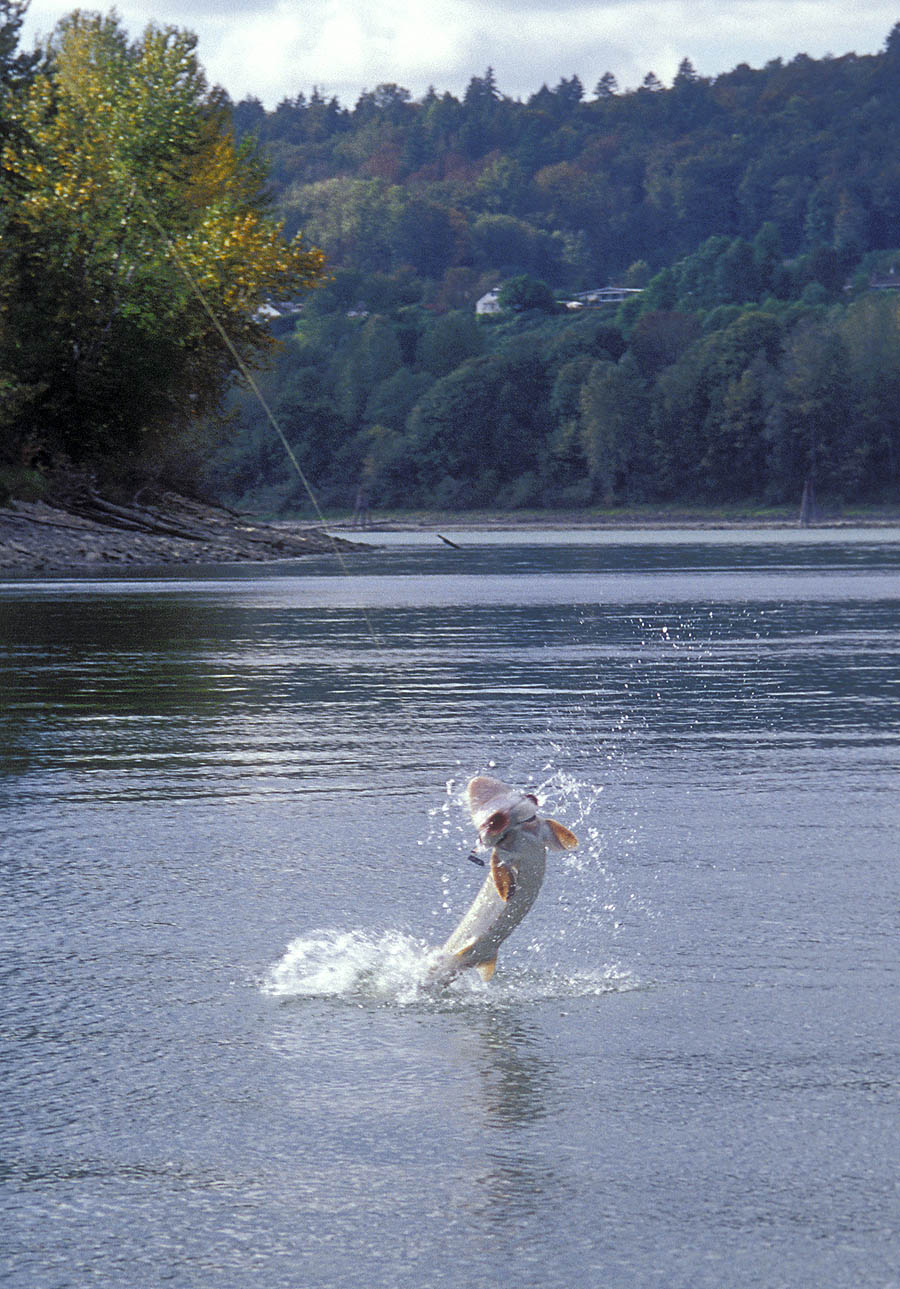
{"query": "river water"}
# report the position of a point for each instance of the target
(231, 827)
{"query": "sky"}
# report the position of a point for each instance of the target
(275, 49)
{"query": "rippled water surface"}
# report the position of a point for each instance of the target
(230, 828)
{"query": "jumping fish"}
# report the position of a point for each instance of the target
(509, 824)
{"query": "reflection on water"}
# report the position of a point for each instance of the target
(230, 829)
(515, 1070)
(199, 687)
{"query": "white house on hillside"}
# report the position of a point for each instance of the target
(603, 295)
(489, 303)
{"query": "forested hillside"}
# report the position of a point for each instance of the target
(575, 188)
(760, 212)
(754, 218)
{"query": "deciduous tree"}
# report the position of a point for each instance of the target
(140, 229)
(614, 418)
(522, 293)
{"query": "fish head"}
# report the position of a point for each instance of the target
(496, 808)
(498, 811)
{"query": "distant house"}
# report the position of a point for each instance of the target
(602, 295)
(889, 282)
(489, 303)
(279, 310)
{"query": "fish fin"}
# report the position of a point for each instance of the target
(504, 877)
(461, 953)
(486, 969)
(562, 837)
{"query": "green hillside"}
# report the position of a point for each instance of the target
(760, 212)
(751, 222)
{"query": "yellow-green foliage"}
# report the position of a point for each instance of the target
(123, 182)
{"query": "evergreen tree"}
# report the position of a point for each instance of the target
(607, 87)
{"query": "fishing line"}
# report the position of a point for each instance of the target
(247, 374)
(132, 185)
(406, 703)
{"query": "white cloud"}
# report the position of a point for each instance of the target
(343, 46)
(276, 48)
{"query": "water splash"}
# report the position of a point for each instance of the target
(394, 969)
(596, 901)
(331, 964)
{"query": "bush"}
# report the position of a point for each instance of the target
(18, 483)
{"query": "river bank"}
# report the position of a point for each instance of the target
(37, 538)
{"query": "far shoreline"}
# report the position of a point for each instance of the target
(38, 540)
(646, 518)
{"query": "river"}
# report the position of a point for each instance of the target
(231, 826)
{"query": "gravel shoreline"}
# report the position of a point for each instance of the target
(37, 539)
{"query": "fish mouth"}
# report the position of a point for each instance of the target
(496, 807)
(503, 822)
